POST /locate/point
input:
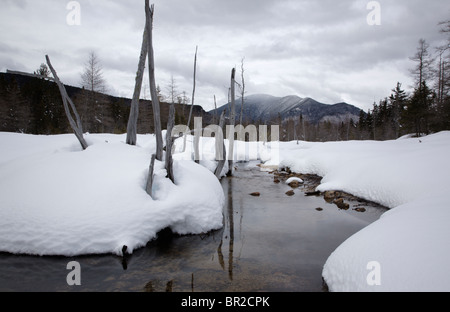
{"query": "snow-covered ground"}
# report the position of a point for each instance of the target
(407, 249)
(58, 200)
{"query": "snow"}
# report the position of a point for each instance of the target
(294, 179)
(58, 200)
(410, 242)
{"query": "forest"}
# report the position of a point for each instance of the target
(424, 110)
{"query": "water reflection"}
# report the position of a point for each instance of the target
(155, 286)
(231, 228)
(287, 241)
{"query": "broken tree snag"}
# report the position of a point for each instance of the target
(197, 133)
(242, 91)
(232, 122)
(134, 110)
(149, 185)
(76, 125)
(193, 96)
(169, 143)
(151, 70)
(193, 89)
(215, 110)
(219, 139)
(220, 147)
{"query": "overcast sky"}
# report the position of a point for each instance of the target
(322, 49)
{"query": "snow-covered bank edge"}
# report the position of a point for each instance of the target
(58, 200)
(406, 249)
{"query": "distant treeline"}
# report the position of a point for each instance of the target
(424, 111)
(420, 113)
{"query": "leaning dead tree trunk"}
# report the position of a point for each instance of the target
(134, 110)
(151, 69)
(76, 125)
(169, 143)
(230, 131)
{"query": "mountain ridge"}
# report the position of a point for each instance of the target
(265, 107)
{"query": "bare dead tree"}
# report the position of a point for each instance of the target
(193, 96)
(422, 70)
(193, 89)
(169, 143)
(134, 110)
(215, 110)
(151, 68)
(172, 90)
(92, 76)
(232, 123)
(76, 125)
(242, 90)
(220, 146)
(441, 73)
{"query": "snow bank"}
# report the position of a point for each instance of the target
(58, 200)
(390, 173)
(409, 244)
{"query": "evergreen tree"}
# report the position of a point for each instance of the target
(398, 100)
(419, 108)
(43, 71)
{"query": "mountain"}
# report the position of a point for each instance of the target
(263, 107)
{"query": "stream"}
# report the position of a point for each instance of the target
(271, 242)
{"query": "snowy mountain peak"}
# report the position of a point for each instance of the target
(264, 107)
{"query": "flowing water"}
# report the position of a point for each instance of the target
(272, 242)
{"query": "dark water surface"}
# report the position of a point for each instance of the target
(273, 242)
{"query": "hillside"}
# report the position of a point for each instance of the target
(33, 105)
(263, 107)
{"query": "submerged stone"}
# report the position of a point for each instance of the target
(290, 193)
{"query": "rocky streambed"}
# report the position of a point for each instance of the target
(308, 183)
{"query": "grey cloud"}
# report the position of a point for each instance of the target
(303, 44)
